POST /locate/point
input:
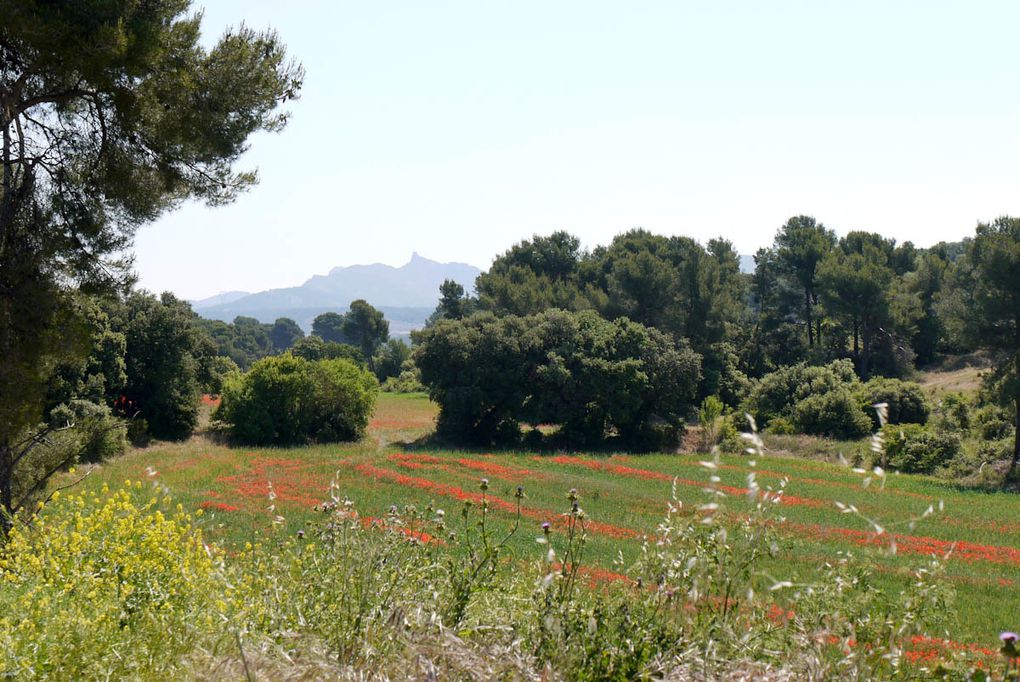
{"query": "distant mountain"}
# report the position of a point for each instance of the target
(747, 264)
(406, 295)
(220, 299)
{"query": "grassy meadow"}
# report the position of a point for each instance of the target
(625, 496)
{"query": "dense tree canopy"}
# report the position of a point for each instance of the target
(800, 245)
(329, 327)
(111, 113)
(982, 306)
(490, 374)
(365, 328)
(168, 360)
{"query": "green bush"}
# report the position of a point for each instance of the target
(138, 432)
(777, 394)
(288, 400)
(912, 448)
(906, 401)
(391, 359)
(164, 362)
(96, 434)
(781, 426)
(591, 376)
(408, 382)
(953, 412)
(219, 368)
(834, 414)
(729, 437)
(993, 422)
(709, 418)
(313, 349)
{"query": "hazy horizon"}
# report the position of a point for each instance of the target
(457, 129)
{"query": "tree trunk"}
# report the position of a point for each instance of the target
(857, 350)
(866, 350)
(1016, 439)
(807, 316)
(6, 490)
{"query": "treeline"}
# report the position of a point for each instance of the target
(360, 335)
(148, 360)
(813, 298)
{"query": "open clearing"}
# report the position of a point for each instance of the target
(624, 495)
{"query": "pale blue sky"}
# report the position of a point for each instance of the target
(456, 129)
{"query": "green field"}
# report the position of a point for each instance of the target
(624, 495)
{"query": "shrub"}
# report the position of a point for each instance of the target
(391, 359)
(96, 434)
(954, 413)
(408, 381)
(993, 422)
(138, 432)
(313, 349)
(343, 400)
(165, 356)
(834, 414)
(287, 400)
(729, 437)
(906, 401)
(777, 394)
(912, 448)
(219, 368)
(709, 416)
(781, 426)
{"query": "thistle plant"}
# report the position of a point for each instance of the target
(471, 569)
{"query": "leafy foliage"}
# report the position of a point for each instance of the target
(777, 394)
(912, 448)
(168, 359)
(835, 414)
(391, 359)
(313, 348)
(905, 401)
(287, 399)
(114, 112)
(980, 307)
(488, 374)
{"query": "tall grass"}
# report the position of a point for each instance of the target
(115, 585)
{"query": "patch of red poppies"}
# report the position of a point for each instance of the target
(914, 544)
(447, 490)
(289, 481)
(491, 469)
(414, 533)
(218, 506)
(632, 472)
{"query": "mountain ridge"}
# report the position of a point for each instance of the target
(410, 292)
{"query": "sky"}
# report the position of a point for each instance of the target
(457, 129)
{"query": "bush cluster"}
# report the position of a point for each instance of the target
(905, 400)
(816, 400)
(590, 376)
(94, 433)
(285, 400)
(829, 400)
(913, 448)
